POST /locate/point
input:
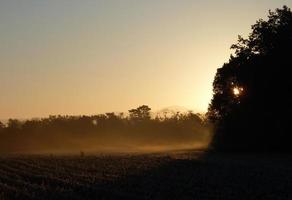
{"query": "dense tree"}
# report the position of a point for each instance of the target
(141, 113)
(251, 100)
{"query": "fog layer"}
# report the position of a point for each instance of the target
(110, 132)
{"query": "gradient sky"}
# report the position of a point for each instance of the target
(86, 57)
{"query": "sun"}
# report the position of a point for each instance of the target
(237, 91)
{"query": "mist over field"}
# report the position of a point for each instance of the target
(64, 61)
(137, 131)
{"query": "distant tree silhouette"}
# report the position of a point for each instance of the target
(2, 126)
(141, 113)
(251, 102)
(82, 133)
(14, 124)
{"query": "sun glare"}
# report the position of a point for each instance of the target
(237, 91)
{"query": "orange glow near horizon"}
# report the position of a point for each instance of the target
(89, 57)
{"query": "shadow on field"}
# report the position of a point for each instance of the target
(179, 175)
(213, 176)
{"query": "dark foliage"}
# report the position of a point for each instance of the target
(142, 113)
(252, 102)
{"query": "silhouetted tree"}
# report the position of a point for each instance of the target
(141, 113)
(251, 100)
(2, 126)
(14, 124)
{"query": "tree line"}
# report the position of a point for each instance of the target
(79, 132)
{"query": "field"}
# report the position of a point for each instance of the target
(170, 175)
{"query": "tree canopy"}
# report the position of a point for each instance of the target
(141, 113)
(251, 100)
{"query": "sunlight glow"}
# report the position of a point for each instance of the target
(237, 91)
(90, 57)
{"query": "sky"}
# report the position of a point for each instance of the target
(87, 57)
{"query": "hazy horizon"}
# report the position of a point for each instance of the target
(88, 57)
(170, 109)
(145, 99)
